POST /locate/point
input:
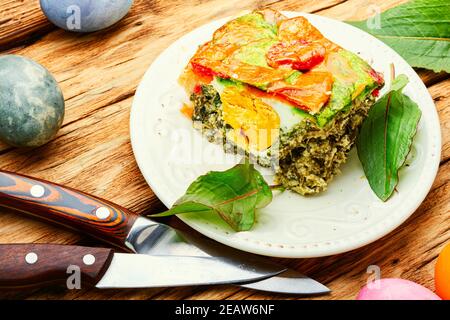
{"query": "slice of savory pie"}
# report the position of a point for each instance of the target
(278, 90)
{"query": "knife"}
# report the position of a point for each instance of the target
(36, 265)
(114, 224)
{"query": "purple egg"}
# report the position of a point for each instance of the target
(395, 289)
(85, 15)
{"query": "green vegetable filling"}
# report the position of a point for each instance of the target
(308, 156)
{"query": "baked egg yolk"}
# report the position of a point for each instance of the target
(255, 125)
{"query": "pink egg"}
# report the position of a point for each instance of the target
(395, 289)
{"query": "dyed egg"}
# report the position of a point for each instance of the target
(85, 15)
(31, 103)
(395, 289)
(442, 274)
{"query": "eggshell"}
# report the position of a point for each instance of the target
(442, 273)
(85, 15)
(395, 289)
(31, 103)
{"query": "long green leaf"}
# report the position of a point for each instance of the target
(418, 30)
(234, 194)
(385, 138)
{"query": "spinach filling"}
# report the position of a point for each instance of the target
(207, 115)
(308, 156)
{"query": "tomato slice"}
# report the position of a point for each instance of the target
(198, 89)
(298, 54)
(311, 91)
(376, 93)
(202, 70)
(378, 77)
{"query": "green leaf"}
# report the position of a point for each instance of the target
(234, 194)
(385, 138)
(399, 83)
(418, 30)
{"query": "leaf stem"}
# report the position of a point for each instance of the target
(279, 187)
(386, 116)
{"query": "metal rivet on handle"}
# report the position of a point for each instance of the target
(89, 259)
(37, 191)
(31, 258)
(102, 213)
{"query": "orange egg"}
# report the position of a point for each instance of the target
(442, 274)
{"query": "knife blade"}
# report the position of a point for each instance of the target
(114, 224)
(149, 237)
(36, 265)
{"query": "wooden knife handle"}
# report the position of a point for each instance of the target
(36, 265)
(99, 218)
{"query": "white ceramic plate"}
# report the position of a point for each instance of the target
(171, 154)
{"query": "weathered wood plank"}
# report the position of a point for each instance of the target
(80, 151)
(21, 22)
(119, 56)
(99, 73)
(430, 78)
(441, 96)
(74, 58)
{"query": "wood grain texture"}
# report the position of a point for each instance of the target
(21, 23)
(66, 206)
(99, 74)
(18, 271)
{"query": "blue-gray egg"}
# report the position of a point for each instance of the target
(31, 103)
(85, 15)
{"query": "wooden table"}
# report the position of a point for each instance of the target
(99, 73)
